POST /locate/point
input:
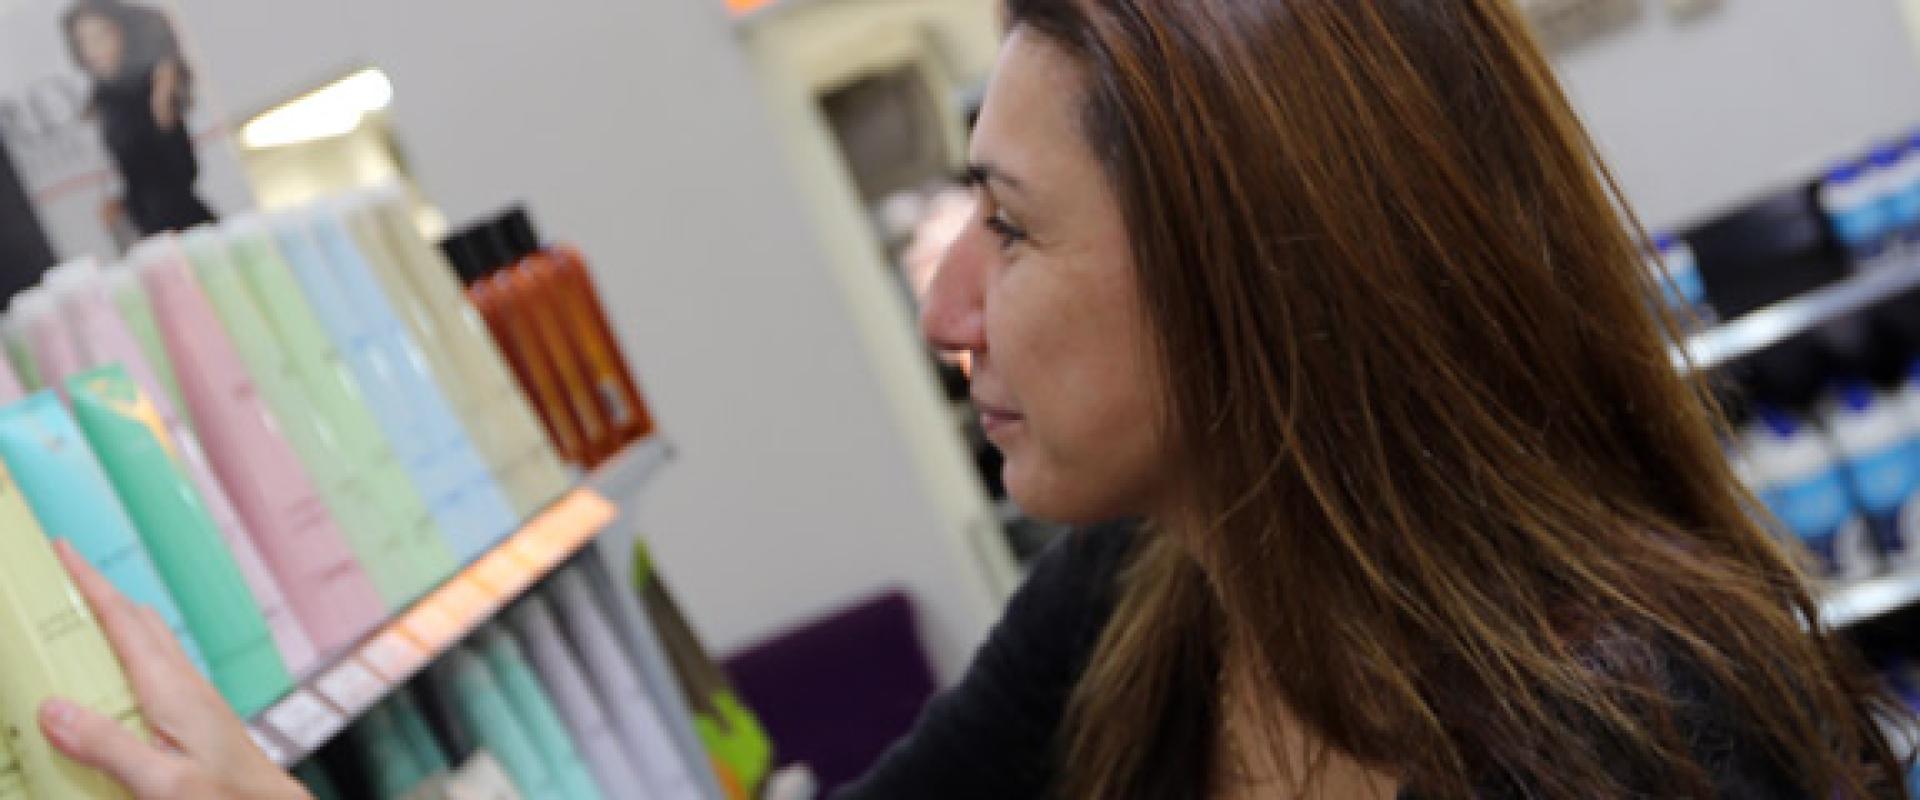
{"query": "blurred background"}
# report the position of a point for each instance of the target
(759, 189)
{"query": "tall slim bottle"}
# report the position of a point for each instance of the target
(483, 508)
(510, 670)
(372, 530)
(130, 298)
(536, 306)
(105, 336)
(493, 721)
(126, 431)
(491, 405)
(574, 697)
(518, 341)
(330, 592)
(71, 496)
(371, 466)
(50, 646)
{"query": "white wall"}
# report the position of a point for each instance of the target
(634, 129)
(1699, 116)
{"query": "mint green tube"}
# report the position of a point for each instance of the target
(372, 529)
(318, 782)
(127, 433)
(485, 709)
(393, 770)
(70, 494)
(510, 670)
(419, 735)
(333, 389)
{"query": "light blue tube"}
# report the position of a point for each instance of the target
(459, 487)
(69, 492)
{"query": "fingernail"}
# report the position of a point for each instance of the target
(59, 716)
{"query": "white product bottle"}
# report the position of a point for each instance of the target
(1807, 490)
(1876, 438)
(1850, 198)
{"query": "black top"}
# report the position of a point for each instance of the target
(992, 736)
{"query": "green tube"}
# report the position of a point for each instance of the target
(419, 735)
(486, 711)
(320, 784)
(126, 431)
(395, 773)
(50, 646)
(371, 530)
(15, 339)
(332, 388)
(510, 670)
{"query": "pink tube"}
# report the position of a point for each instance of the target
(103, 338)
(10, 389)
(47, 336)
(327, 587)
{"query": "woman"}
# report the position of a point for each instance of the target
(141, 93)
(1329, 295)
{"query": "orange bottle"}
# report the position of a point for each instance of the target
(565, 275)
(540, 309)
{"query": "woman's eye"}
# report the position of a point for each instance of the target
(1009, 233)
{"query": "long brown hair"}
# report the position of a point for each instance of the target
(1450, 497)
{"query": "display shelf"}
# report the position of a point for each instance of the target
(1850, 604)
(347, 686)
(1757, 330)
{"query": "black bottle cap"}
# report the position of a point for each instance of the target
(516, 226)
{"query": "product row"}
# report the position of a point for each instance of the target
(541, 305)
(545, 705)
(275, 432)
(1872, 203)
(1842, 482)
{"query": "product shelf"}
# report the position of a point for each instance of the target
(1845, 605)
(345, 687)
(1765, 327)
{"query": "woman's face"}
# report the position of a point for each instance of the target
(101, 45)
(1040, 292)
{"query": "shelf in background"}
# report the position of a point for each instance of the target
(1854, 603)
(1762, 328)
(346, 687)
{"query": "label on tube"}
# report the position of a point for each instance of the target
(493, 721)
(634, 714)
(329, 591)
(573, 696)
(104, 337)
(332, 390)
(50, 645)
(364, 315)
(126, 431)
(534, 472)
(530, 701)
(376, 535)
(70, 494)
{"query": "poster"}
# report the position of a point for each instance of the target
(108, 128)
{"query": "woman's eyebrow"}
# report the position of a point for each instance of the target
(980, 173)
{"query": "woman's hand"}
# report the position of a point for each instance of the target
(201, 750)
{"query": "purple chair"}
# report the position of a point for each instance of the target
(833, 694)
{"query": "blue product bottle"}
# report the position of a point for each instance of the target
(1876, 441)
(1850, 201)
(1807, 490)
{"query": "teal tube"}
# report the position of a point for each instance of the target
(419, 735)
(70, 494)
(392, 768)
(126, 431)
(485, 710)
(318, 782)
(510, 670)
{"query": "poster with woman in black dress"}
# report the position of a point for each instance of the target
(142, 90)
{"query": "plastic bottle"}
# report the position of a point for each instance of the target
(574, 697)
(1807, 490)
(479, 265)
(50, 645)
(103, 336)
(70, 494)
(1876, 439)
(493, 407)
(1850, 199)
(125, 429)
(329, 590)
(492, 720)
(529, 700)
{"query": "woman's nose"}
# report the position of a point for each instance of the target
(954, 316)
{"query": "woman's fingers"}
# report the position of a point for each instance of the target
(170, 689)
(102, 743)
(118, 617)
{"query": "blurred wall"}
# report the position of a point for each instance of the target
(635, 130)
(1699, 116)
